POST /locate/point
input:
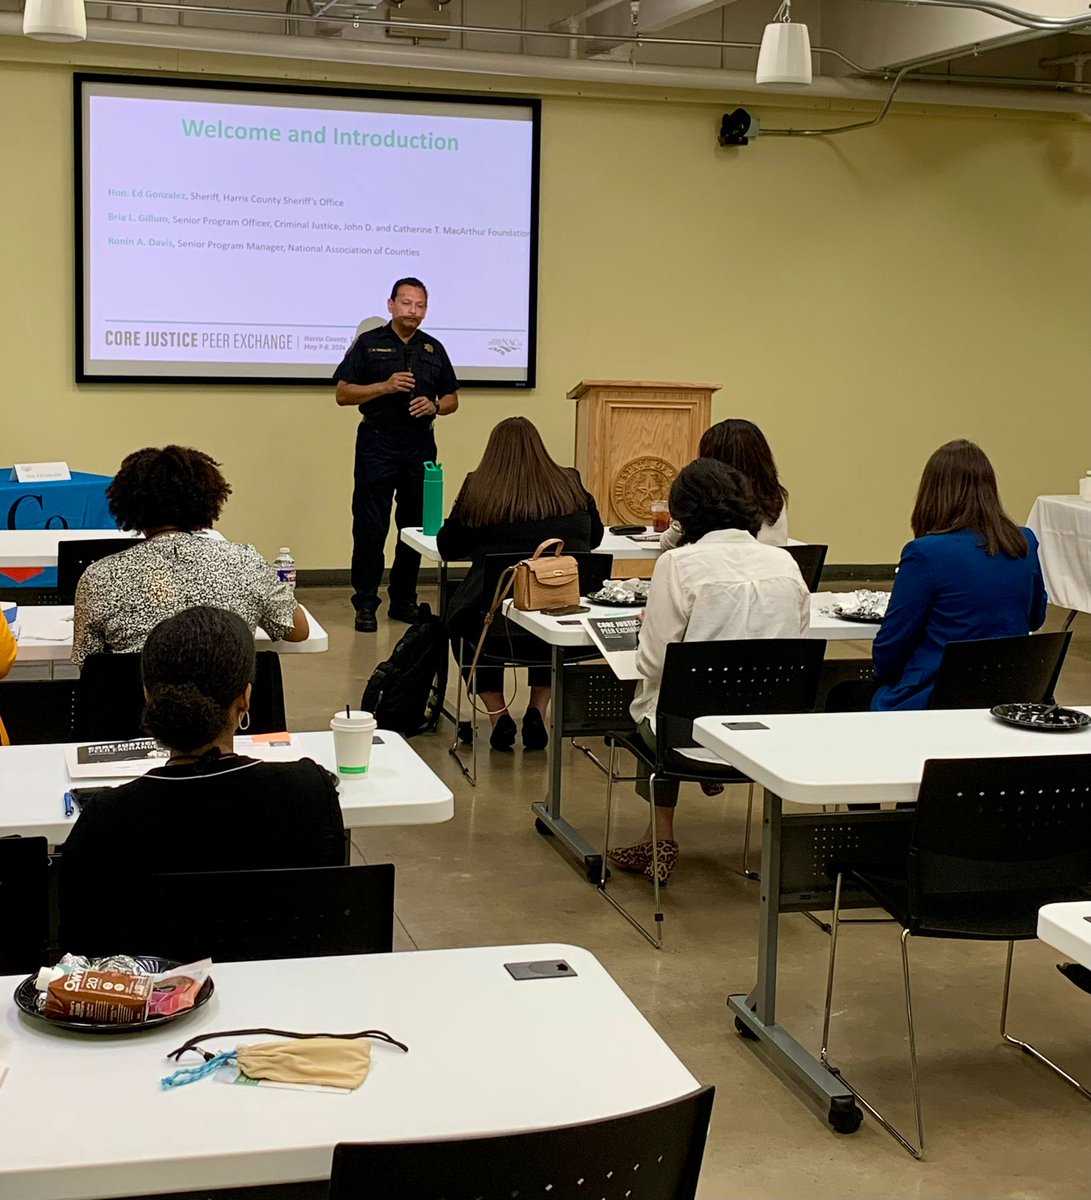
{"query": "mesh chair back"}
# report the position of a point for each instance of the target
(648, 1155)
(38, 711)
(810, 559)
(24, 904)
(110, 697)
(991, 671)
(1000, 828)
(74, 557)
(240, 916)
(765, 675)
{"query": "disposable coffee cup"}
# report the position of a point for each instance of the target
(352, 735)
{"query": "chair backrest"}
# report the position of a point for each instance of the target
(1007, 670)
(110, 697)
(1001, 828)
(810, 559)
(24, 904)
(594, 570)
(38, 711)
(31, 596)
(74, 557)
(239, 916)
(594, 700)
(763, 675)
(647, 1155)
(836, 671)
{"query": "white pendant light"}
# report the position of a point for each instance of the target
(785, 54)
(55, 20)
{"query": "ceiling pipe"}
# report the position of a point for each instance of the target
(1016, 16)
(532, 67)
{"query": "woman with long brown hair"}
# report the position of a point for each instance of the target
(970, 572)
(741, 444)
(516, 499)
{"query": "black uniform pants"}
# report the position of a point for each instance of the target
(389, 470)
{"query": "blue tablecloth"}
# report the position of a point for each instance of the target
(76, 503)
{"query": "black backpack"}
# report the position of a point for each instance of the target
(405, 693)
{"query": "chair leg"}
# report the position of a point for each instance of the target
(746, 871)
(1026, 1047)
(655, 935)
(471, 774)
(918, 1150)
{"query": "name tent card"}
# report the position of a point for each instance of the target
(43, 472)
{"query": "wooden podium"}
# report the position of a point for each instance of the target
(632, 439)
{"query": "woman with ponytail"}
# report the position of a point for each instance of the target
(208, 808)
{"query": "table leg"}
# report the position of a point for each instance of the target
(756, 1014)
(548, 814)
(1068, 620)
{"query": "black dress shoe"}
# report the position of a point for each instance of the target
(366, 622)
(404, 612)
(503, 733)
(535, 735)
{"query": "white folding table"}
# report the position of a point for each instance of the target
(45, 635)
(1067, 927)
(85, 1118)
(400, 787)
(562, 633)
(38, 547)
(842, 758)
(1062, 525)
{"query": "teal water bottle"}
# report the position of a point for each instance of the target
(433, 498)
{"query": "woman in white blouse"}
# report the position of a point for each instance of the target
(720, 584)
(742, 445)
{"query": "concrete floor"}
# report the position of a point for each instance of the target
(997, 1124)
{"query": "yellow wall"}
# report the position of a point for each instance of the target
(863, 299)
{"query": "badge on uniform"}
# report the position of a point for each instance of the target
(429, 347)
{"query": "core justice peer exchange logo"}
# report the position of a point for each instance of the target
(640, 482)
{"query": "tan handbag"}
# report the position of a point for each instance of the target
(546, 580)
(541, 581)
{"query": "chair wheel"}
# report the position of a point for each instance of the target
(844, 1116)
(592, 867)
(542, 827)
(465, 733)
(744, 1031)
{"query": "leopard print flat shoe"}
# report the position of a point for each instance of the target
(631, 858)
(668, 860)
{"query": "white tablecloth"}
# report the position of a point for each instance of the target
(1062, 525)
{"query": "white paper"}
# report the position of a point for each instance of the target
(42, 472)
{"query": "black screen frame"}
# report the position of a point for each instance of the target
(80, 79)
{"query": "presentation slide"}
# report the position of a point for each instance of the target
(231, 234)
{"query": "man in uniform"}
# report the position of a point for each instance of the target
(401, 379)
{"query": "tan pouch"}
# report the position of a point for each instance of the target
(330, 1062)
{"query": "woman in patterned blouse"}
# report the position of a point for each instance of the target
(169, 495)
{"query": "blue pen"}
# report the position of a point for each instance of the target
(69, 804)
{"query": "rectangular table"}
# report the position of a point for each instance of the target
(842, 758)
(400, 788)
(85, 1119)
(1062, 525)
(1067, 927)
(562, 633)
(45, 635)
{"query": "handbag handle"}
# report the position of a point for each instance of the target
(556, 543)
(503, 586)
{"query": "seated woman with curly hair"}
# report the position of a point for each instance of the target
(169, 495)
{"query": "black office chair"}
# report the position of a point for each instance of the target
(31, 596)
(989, 671)
(836, 671)
(810, 559)
(74, 557)
(38, 711)
(509, 646)
(771, 675)
(24, 904)
(110, 697)
(993, 840)
(647, 1155)
(240, 916)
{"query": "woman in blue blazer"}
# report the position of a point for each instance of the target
(970, 572)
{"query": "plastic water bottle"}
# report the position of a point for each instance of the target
(285, 565)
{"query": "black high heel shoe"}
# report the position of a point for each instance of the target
(535, 734)
(503, 733)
